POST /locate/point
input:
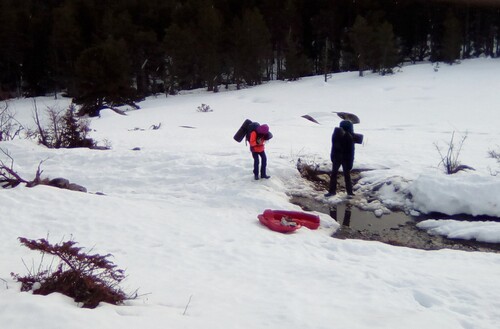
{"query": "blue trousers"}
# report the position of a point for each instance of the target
(263, 166)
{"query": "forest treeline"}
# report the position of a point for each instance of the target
(106, 53)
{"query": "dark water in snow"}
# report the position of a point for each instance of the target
(355, 218)
(395, 228)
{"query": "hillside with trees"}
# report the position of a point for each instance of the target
(108, 53)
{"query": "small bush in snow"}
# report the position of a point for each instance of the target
(88, 279)
(63, 130)
(450, 160)
(155, 127)
(10, 128)
(204, 108)
(495, 155)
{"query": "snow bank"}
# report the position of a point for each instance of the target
(462, 193)
(484, 231)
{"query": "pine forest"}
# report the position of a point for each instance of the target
(117, 52)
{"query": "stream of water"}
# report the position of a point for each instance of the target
(355, 218)
(395, 228)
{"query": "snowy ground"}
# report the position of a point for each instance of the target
(180, 214)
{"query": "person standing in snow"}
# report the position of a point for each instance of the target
(257, 140)
(342, 154)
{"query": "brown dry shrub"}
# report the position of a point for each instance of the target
(88, 279)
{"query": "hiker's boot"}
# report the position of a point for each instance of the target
(256, 177)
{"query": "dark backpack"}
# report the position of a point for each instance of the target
(246, 129)
(242, 131)
(250, 128)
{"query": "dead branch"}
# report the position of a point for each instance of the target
(10, 178)
(10, 127)
(42, 136)
(37, 180)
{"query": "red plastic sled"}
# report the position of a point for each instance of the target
(283, 220)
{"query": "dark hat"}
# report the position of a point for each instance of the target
(347, 126)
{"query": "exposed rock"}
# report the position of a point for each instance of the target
(76, 187)
(310, 118)
(65, 184)
(59, 182)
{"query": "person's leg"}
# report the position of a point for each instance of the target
(348, 183)
(263, 166)
(255, 156)
(333, 178)
(346, 167)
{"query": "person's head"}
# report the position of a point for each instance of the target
(347, 126)
(262, 129)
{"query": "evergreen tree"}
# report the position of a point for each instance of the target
(362, 39)
(192, 46)
(181, 60)
(104, 79)
(251, 48)
(142, 25)
(328, 27)
(386, 53)
(67, 44)
(33, 21)
(297, 46)
(209, 38)
(451, 39)
(141, 44)
(198, 43)
(73, 131)
(13, 42)
(278, 16)
(412, 25)
(296, 62)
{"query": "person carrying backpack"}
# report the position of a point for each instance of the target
(257, 141)
(342, 154)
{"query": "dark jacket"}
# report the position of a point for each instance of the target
(342, 147)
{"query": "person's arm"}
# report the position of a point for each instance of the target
(332, 152)
(349, 146)
(253, 139)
